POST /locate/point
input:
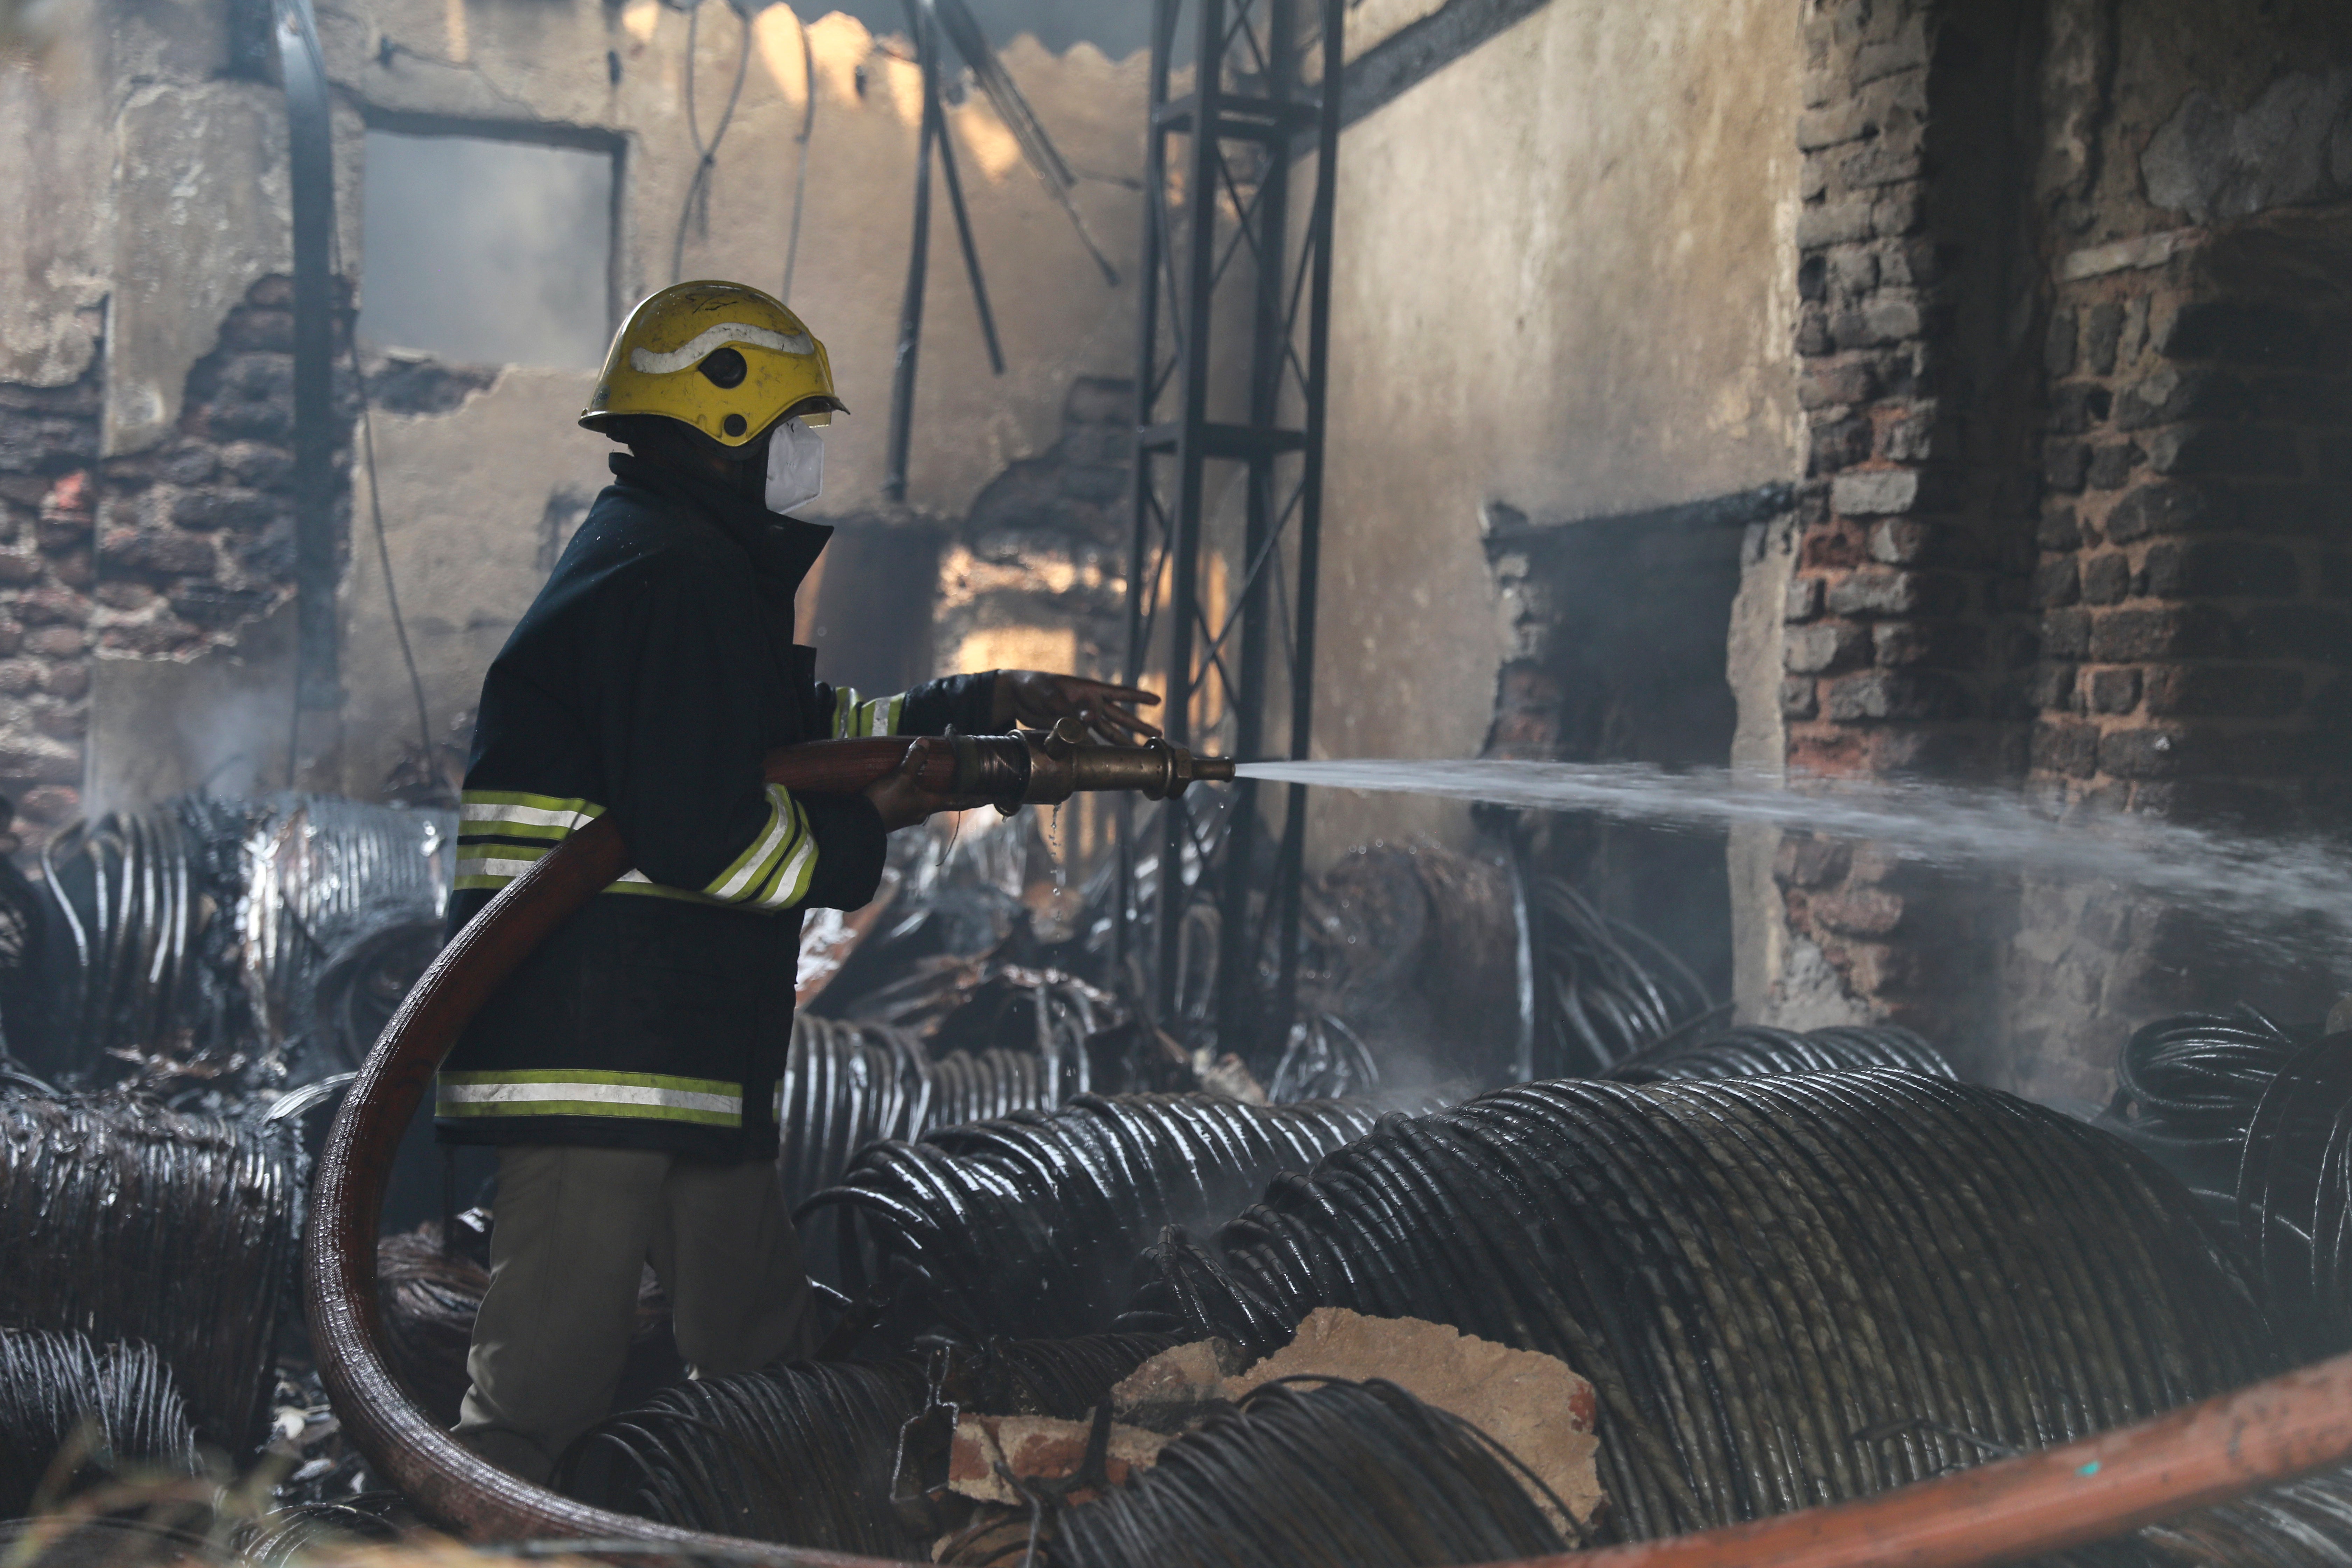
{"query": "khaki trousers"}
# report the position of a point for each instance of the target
(573, 1230)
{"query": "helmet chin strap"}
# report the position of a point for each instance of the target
(795, 467)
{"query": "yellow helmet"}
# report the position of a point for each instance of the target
(723, 358)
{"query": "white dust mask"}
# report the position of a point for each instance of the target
(795, 467)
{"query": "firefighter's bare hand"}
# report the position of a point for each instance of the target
(901, 796)
(1035, 699)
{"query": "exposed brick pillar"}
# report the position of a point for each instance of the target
(164, 553)
(1908, 641)
(2194, 585)
(195, 537)
(48, 498)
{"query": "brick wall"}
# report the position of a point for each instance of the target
(2193, 584)
(1907, 642)
(160, 553)
(48, 446)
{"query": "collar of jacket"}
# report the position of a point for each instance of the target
(782, 547)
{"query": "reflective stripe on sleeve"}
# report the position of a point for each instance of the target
(500, 833)
(855, 719)
(775, 872)
(710, 1102)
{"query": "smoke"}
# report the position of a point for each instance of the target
(1117, 30)
(487, 252)
(30, 27)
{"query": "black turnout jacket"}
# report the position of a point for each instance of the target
(654, 670)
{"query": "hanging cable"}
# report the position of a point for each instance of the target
(706, 156)
(800, 178)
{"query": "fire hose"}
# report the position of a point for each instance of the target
(2202, 1454)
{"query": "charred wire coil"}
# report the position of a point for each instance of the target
(2295, 1197)
(813, 1454)
(849, 1084)
(286, 1536)
(801, 1454)
(1363, 1475)
(207, 927)
(1602, 989)
(2304, 1524)
(105, 1541)
(130, 1223)
(1031, 1224)
(429, 1295)
(2186, 1089)
(1786, 1290)
(1325, 1059)
(117, 1405)
(1754, 1051)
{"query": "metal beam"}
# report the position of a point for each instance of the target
(1221, 610)
(1407, 58)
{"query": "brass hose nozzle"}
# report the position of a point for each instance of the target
(1063, 761)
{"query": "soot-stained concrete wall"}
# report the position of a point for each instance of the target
(1554, 288)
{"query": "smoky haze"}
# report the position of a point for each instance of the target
(487, 252)
(1117, 27)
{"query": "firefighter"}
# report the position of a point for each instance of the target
(627, 1072)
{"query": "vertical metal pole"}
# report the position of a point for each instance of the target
(1146, 478)
(318, 686)
(1200, 286)
(910, 307)
(1311, 504)
(1240, 1013)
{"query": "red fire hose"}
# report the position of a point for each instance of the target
(1999, 1512)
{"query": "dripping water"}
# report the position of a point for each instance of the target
(2258, 884)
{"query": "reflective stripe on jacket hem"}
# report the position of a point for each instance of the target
(541, 1091)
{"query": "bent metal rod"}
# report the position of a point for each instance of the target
(2200, 1455)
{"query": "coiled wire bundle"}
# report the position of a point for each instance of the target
(2186, 1090)
(210, 928)
(429, 1297)
(1603, 990)
(849, 1084)
(1753, 1051)
(2304, 1524)
(1354, 1475)
(1031, 1224)
(287, 1537)
(801, 1454)
(129, 1223)
(2295, 1197)
(119, 1405)
(1786, 1290)
(813, 1454)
